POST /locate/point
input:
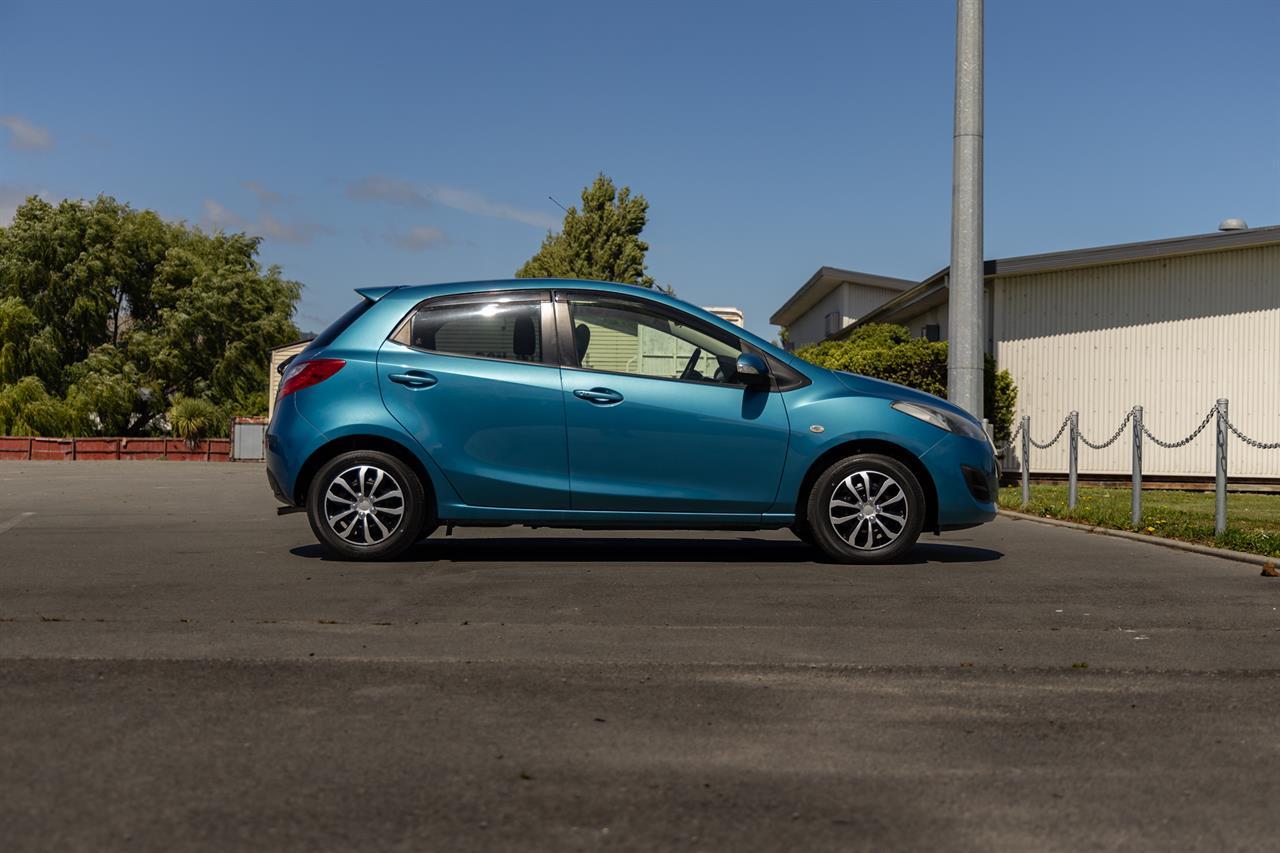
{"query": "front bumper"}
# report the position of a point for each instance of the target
(961, 499)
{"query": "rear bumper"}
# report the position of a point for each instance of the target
(291, 440)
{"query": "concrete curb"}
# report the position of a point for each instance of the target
(1220, 553)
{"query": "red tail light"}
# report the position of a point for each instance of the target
(306, 374)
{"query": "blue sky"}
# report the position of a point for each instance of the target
(399, 143)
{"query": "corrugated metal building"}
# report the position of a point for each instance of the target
(1171, 325)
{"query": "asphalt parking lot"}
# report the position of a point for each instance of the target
(180, 669)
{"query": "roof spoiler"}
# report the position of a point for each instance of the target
(373, 294)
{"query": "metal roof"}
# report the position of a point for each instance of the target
(933, 290)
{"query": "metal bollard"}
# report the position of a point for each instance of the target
(1073, 461)
(1220, 518)
(1135, 505)
(1026, 461)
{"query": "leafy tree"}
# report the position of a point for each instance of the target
(26, 408)
(113, 312)
(601, 241)
(887, 351)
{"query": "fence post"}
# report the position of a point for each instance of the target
(1026, 460)
(1220, 519)
(1073, 461)
(1135, 505)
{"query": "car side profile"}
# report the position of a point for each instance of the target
(584, 404)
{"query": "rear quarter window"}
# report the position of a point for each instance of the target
(340, 325)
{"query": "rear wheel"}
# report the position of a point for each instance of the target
(866, 509)
(367, 505)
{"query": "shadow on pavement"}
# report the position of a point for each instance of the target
(577, 549)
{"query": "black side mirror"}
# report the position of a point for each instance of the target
(751, 370)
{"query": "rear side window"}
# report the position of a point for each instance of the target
(340, 325)
(507, 330)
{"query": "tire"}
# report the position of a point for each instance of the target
(381, 497)
(854, 529)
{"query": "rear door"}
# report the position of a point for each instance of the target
(656, 420)
(474, 379)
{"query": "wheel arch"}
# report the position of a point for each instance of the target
(871, 445)
(325, 452)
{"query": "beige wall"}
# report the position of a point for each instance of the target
(851, 301)
(1171, 335)
(278, 356)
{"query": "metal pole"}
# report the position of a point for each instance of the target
(1026, 460)
(1135, 505)
(1220, 520)
(1073, 461)
(966, 309)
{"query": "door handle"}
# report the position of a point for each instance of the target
(599, 396)
(414, 379)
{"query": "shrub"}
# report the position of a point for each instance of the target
(194, 418)
(887, 351)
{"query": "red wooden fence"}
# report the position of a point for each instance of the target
(78, 449)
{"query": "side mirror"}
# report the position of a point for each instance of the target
(751, 370)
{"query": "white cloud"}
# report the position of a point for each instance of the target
(390, 190)
(265, 196)
(395, 191)
(419, 238)
(471, 202)
(25, 135)
(218, 216)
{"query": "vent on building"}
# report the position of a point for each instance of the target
(931, 332)
(1233, 224)
(834, 322)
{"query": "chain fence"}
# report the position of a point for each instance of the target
(1070, 427)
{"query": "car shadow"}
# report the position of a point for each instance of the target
(613, 549)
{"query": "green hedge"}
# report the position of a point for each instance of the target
(887, 351)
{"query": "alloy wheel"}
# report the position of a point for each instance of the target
(868, 510)
(364, 505)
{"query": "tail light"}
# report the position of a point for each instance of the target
(304, 374)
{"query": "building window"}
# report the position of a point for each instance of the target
(834, 323)
(931, 332)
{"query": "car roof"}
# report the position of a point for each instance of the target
(418, 292)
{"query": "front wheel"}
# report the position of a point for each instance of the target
(866, 508)
(366, 505)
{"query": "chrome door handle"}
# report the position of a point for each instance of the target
(414, 379)
(599, 396)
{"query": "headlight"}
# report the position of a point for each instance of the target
(942, 419)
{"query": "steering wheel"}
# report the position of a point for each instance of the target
(688, 371)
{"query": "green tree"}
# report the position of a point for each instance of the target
(887, 351)
(600, 242)
(113, 312)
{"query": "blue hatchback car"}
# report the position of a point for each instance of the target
(584, 404)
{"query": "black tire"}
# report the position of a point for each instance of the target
(387, 507)
(872, 531)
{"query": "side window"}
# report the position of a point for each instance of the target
(623, 337)
(506, 330)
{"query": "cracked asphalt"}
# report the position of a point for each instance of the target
(180, 669)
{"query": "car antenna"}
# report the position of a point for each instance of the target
(558, 204)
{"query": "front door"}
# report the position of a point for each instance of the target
(474, 381)
(656, 419)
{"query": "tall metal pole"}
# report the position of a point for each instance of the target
(966, 308)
